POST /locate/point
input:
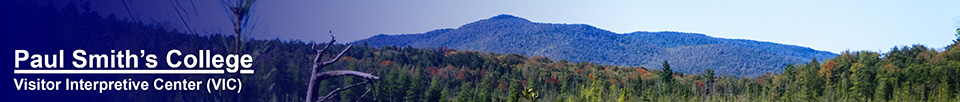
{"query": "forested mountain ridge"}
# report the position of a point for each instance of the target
(905, 74)
(692, 52)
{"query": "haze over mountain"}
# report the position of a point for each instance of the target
(686, 52)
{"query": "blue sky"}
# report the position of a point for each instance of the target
(875, 25)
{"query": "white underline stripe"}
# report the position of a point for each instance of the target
(168, 71)
(246, 71)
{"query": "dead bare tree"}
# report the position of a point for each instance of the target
(317, 65)
(240, 13)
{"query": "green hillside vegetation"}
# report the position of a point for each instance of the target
(907, 73)
(692, 52)
(913, 73)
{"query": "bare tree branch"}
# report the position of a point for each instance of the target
(361, 96)
(317, 65)
(337, 73)
(332, 40)
(324, 49)
(337, 58)
(332, 93)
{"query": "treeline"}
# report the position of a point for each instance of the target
(908, 73)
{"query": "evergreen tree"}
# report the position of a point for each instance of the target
(863, 76)
(708, 80)
(433, 93)
(413, 87)
(812, 83)
(666, 76)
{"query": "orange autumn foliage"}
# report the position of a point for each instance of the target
(460, 75)
(700, 83)
(502, 86)
(591, 76)
(612, 81)
(385, 63)
(891, 67)
(433, 70)
(827, 69)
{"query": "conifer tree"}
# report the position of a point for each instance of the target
(666, 76)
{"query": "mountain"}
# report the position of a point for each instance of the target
(687, 52)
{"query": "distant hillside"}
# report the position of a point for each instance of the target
(690, 52)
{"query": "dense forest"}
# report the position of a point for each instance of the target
(909, 73)
(691, 52)
(906, 73)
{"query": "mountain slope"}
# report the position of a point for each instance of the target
(687, 52)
